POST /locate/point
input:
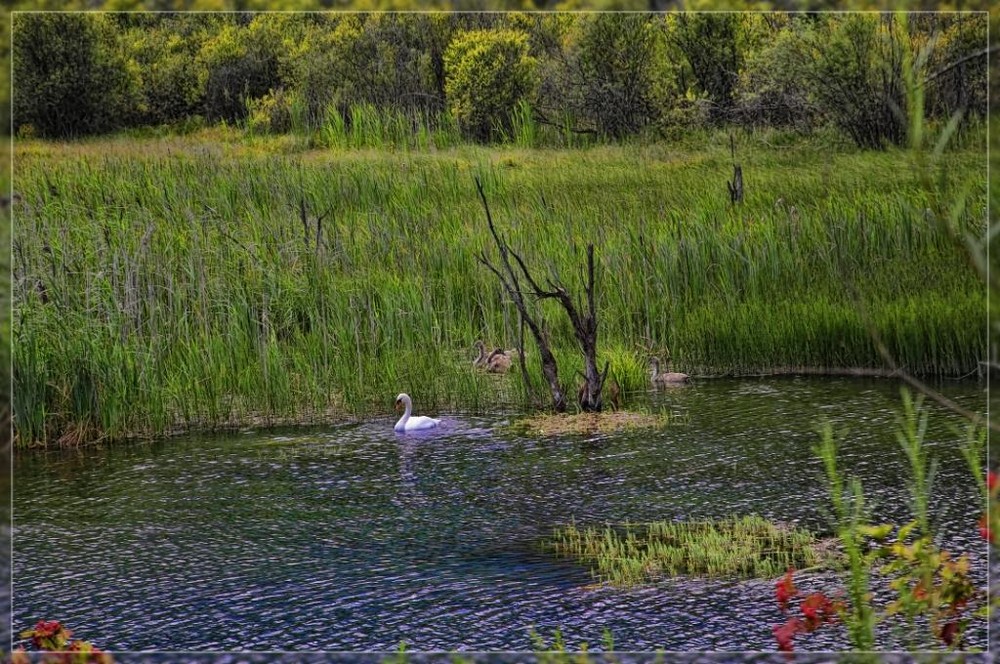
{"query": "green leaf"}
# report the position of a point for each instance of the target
(879, 532)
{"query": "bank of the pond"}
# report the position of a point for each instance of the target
(164, 282)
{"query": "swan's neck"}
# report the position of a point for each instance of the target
(401, 424)
(654, 368)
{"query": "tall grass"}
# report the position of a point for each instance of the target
(367, 126)
(169, 282)
(850, 518)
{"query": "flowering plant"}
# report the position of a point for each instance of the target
(52, 637)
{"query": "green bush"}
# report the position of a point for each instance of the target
(709, 44)
(956, 81)
(615, 59)
(271, 114)
(239, 63)
(487, 72)
(70, 78)
(772, 90)
(164, 57)
(855, 75)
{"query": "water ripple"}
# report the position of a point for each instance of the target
(356, 538)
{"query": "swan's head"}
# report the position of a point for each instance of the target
(479, 344)
(401, 401)
(654, 362)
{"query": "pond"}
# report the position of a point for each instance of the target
(355, 538)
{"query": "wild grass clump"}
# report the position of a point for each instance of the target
(742, 547)
(214, 277)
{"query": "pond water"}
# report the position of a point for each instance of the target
(356, 538)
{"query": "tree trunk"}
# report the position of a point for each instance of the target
(736, 185)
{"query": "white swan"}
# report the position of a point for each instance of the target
(408, 423)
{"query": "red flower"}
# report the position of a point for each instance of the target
(45, 628)
(949, 633)
(991, 481)
(784, 590)
(784, 634)
(812, 609)
(984, 529)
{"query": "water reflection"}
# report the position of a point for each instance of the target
(356, 538)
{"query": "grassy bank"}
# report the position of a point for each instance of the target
(165, 282)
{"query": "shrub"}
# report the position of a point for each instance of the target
(615, 59)
(854, 71)
(956, 81)
(238, 64)
(486, 74)
(169, 84)
(272, 113)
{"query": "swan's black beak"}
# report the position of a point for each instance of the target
(397, 404)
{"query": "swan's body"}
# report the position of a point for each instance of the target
(409, 423)
(668, 378)
(498, 362)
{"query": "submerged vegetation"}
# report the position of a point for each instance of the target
(743, 547)
(205, 280)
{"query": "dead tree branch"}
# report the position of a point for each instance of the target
(509, 280)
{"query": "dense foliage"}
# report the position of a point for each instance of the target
(493, 74)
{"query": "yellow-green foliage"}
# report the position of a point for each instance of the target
(272, 113)
(487, 72)
(164, 61)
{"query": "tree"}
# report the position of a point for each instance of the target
(956, 75)
(710, 43)
(69, 75)
(240, 62)
(853, 65)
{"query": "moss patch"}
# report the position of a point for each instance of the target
(588, 423)
(741, 547)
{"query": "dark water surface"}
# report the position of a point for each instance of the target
(356, 538)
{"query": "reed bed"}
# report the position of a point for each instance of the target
(163, 283)
(739, 547)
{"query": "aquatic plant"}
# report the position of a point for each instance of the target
(744, 547)
(171, 283)
(815, 610)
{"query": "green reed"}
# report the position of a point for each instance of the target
(631, 554)
(163, 283)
